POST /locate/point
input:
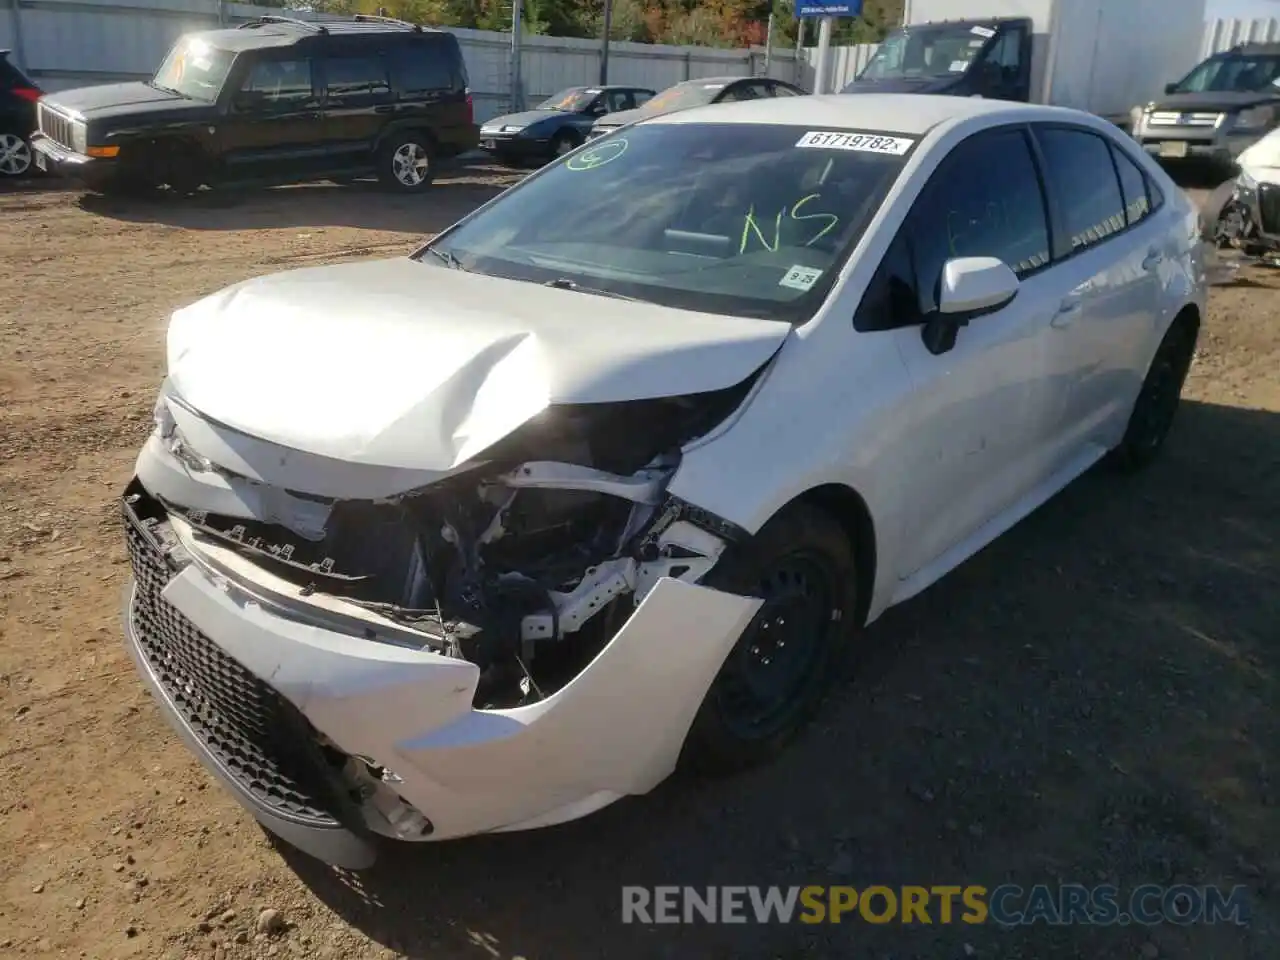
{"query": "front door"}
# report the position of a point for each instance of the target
(1004, 73)
(979, 410)
(274, 127)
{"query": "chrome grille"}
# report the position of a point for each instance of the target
(56, 127)
(1171, 118)
(1269, 208)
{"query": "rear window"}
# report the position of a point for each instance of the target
(427, 64)
(740, 219)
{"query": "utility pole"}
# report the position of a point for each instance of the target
(604, 42)
(517, 35)
(824, 51)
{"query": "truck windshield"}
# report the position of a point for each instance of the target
(1231, 75)
(934, 50)
(194, 69)
(751, 220)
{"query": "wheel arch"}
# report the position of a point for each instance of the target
(415, 126)
(846, 506)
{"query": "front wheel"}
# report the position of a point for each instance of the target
(564, 142)
(772, 682)
(15, 155)
(406, 163)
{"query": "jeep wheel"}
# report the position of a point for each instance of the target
(15, 155)
(406, 163)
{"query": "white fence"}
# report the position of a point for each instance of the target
(1225, 33)
(66, 43)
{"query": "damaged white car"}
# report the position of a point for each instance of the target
(612, 473)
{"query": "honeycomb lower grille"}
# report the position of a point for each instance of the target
(1269, 208)
(257, 736)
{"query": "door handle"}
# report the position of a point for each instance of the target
(1152, 260)
(1068, 310)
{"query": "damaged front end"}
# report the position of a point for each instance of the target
(439, 660)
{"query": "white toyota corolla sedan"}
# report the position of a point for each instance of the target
(613, 474)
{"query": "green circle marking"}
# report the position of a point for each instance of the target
(595, 157)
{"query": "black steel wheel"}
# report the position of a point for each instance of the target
(801, 566)
(1157, 405)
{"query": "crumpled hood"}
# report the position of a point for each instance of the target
(403, 364)
(904, 85)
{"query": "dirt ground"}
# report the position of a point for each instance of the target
(1092, 699)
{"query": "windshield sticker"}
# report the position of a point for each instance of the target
(202, 64)
(985, 32)
(959, 66)
(597, 157)
(975, 44)
(800, 278)
(858, 142)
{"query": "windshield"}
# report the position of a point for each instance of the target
(1231, 75)
(194, 69)
(741, 219)
(694, 93)
(572, 100)
(923, 52)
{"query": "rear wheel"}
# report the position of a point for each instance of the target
(1157, 404)
(407, 162)
(15, 155)
(802, 566)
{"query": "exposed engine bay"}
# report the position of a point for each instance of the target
(525, 564)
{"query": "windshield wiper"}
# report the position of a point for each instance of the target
(163, 89)
(448, 257)
(564, 283)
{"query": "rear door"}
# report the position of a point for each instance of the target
(274, 126)
(1112, 252)
(357, 102)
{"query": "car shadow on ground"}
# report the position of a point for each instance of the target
(1088, 700)
(362, 205)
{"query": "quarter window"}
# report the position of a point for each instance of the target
(1084, 179)
(422, 67)
(984, 200)
(1133, 184)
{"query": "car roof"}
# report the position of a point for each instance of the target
(905, 113)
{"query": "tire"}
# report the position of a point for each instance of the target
(406, 162)
(564, 142)
(15, 156)
(1157, 404)
(185, 170)
(803, 566)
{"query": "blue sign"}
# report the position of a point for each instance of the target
(819, 8)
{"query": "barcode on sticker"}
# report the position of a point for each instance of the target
(861, 142)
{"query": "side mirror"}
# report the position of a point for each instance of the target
(975, 285)
(1170, 88)
(969, 287)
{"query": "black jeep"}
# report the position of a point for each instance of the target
(276, 100)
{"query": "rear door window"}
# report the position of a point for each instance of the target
(1134, 186)
(356, 80)
(1081, 173)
